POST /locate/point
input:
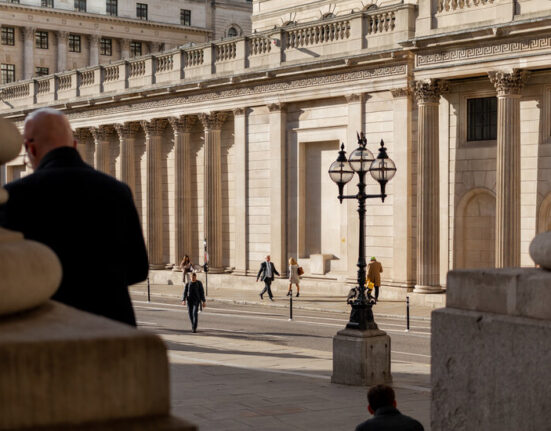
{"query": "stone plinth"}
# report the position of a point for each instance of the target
(361, 358)
(491, 352)
(65, 369)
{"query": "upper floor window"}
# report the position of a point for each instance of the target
(47, 3)
(74, 43)
(482, 119)
(135, 49)
(80, 5)
(141, 10)
(13, 1)
(8, 36)
(185, 17)
(111, 7)
(232, 32)
(41, 39)
(41, 71)
(106, 46)
(7, 73)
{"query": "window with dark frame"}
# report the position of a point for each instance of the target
(47, 3)
(106, 46)
(232, 32)
(185, 17)
(8, 36)
(13, 1)
(111, 7)
(41, 39)
(141, 11)
(482, 119)
(41, 71)
(7, 73)
(135, 49)
(80, 5)
(74, 43)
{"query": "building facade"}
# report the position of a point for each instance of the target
(42, 37)
(231, 141)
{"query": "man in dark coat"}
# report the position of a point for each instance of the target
(266, 273)
(86, 217)
(194, 295)
(382, 404)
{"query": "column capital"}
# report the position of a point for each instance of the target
(401, 92)
(277, 107)
(102, 133)
(28, 32)
(354, 97)
(214, 120)
(429, 91)
(61, 35)
(127, 130)
(82, 134)
(182, 124)
(93, 38)
(239, 111)
(154, 127)
(508, 83)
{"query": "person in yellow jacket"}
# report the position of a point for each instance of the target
(374, 270)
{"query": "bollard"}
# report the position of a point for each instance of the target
(148, 291)
(291, 305)
(407, 313)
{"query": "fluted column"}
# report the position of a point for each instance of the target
(183, 199)
(154, 191)
(240, 200)
(508, 86)
(428, 192)
(85, 144)
(212, 202)
(94, 49)
(125, 48)
(102, 138)
(28, 52)
(127, 134)
(61, 50)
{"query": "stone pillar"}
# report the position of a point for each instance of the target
(125, 48)
(61, 50)
(94, 49)
(102, 137)
(241, 186)
(85, 144)
(428, 191)
(508, 86)
(183, 199)
(127, 134)
(28, 52)
(212, 200)
(403, 270)
(154, 191)
(278, 179)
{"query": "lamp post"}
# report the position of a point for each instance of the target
(341, 171)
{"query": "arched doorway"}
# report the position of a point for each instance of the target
(475, 230)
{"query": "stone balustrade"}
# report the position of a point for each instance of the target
(367, 32)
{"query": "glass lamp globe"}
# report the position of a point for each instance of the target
(382, 170)
(360, 159)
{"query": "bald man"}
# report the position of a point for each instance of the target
(87, 218)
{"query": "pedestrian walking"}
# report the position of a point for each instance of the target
(266, 273)
(294, 276)
(194, 295)
(187, 268)
(374, 270)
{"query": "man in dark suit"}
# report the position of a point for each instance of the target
(194, 295)
(267, 273)
(88, 219)
(382, 404)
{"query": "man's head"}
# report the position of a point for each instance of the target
(267, 258)
(380, 396)
(373, 259)
(193, 276)
(45, 130)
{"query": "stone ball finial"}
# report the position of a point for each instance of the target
(540, 250)
(10, 146)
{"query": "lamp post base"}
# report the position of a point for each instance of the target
(361, 358)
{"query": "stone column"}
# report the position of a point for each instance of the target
(28, 52)
(85, 144)
(508, 86)
(125, 48)
(278, 180)
(61, 50)
(212, 201)
(102, 137)
(241, 186)
(127, 134)
(94, 49)
(154, 191)
(428, 191)
(183, 199)
(403, 271)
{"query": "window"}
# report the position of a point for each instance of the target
(7, 73)
(185, 17)
(47, 3)
(135, 49)
(74, 43)
(8, 36)
(141, 10)
(13, 1)
(41, 39)
(111, 7)
(41, 71)
(482, 119)
(80, 5)
(232, 32)
(106, 46)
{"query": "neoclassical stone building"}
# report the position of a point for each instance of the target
(231, 141)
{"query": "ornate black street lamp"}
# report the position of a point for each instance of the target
(341, 171)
